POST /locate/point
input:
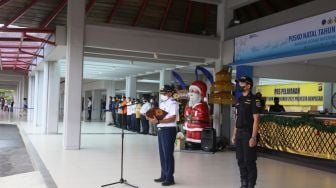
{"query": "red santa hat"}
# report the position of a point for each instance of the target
(201, 86)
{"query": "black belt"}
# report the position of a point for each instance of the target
(166, 128)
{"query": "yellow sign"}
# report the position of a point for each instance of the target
(302, 94)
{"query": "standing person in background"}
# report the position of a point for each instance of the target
(114, 110)
(2, 103)
(124, 114)
(12, 106)
(152, 127)
(120, 114)
(89, 108)
(144, 122)
(129, 113)
(25, 104)
(277, 107)
(133, 117)
(245, 133)
(102, 108)
(137, 115)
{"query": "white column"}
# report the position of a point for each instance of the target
(74, 74)
(19, 102)
(40, 101)
(36, 87)
(45, 97)
(130, 87)
(96, 97)
(110, 91)
(221, 24)
(31, 96)
(51, 92)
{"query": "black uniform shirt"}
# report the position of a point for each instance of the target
(246, 107)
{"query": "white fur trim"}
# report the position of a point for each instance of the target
(193, 140)
(192, 129)
(195, 87)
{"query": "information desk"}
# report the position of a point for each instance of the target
(299, 133)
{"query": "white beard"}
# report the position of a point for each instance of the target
(194, 99)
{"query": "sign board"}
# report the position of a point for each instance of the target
(310, 35)
(302, 94)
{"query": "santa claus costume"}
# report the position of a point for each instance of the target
(196, 114)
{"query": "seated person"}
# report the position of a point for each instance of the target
(276, 107)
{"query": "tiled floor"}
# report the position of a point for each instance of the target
(98, 162)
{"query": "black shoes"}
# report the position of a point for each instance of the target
(168, 183)
(164, 182)
(159, 180)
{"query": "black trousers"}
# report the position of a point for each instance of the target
(137, 128)
(114, 117)
(144, 124)
(246, 157)
(167, 138)
(89, 112)
(119, 120)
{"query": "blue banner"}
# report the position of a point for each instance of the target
(310, 35)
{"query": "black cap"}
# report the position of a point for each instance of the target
(245, 79)
(166, 89)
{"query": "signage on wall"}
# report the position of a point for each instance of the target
(303, 94)
(310, 35)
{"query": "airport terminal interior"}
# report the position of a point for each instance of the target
(83, 87)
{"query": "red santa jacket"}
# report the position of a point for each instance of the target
(197, 117)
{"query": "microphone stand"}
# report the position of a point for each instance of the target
(122, 180)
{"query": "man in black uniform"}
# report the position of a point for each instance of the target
(245, 133)
(277, 107)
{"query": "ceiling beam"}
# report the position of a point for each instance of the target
(187, 17)
(114, 10)
(37, 39)
(20, 13)
(3, 2)
(165, 14)
(140, 12)
(22, 47)
(29, 53)
(137, 59)
(27, 30)
(53, 15)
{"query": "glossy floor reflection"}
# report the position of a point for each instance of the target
(98, 163)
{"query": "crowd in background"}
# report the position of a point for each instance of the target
(6, 105)
(129, 113)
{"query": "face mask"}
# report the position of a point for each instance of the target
(241, 88)
(164, 97)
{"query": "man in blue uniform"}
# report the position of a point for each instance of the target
(245, 133)
(167, 135)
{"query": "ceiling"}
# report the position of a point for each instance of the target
(19, 48)
(111, 69)
(170, 15)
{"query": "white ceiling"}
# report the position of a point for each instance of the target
(111, 69)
